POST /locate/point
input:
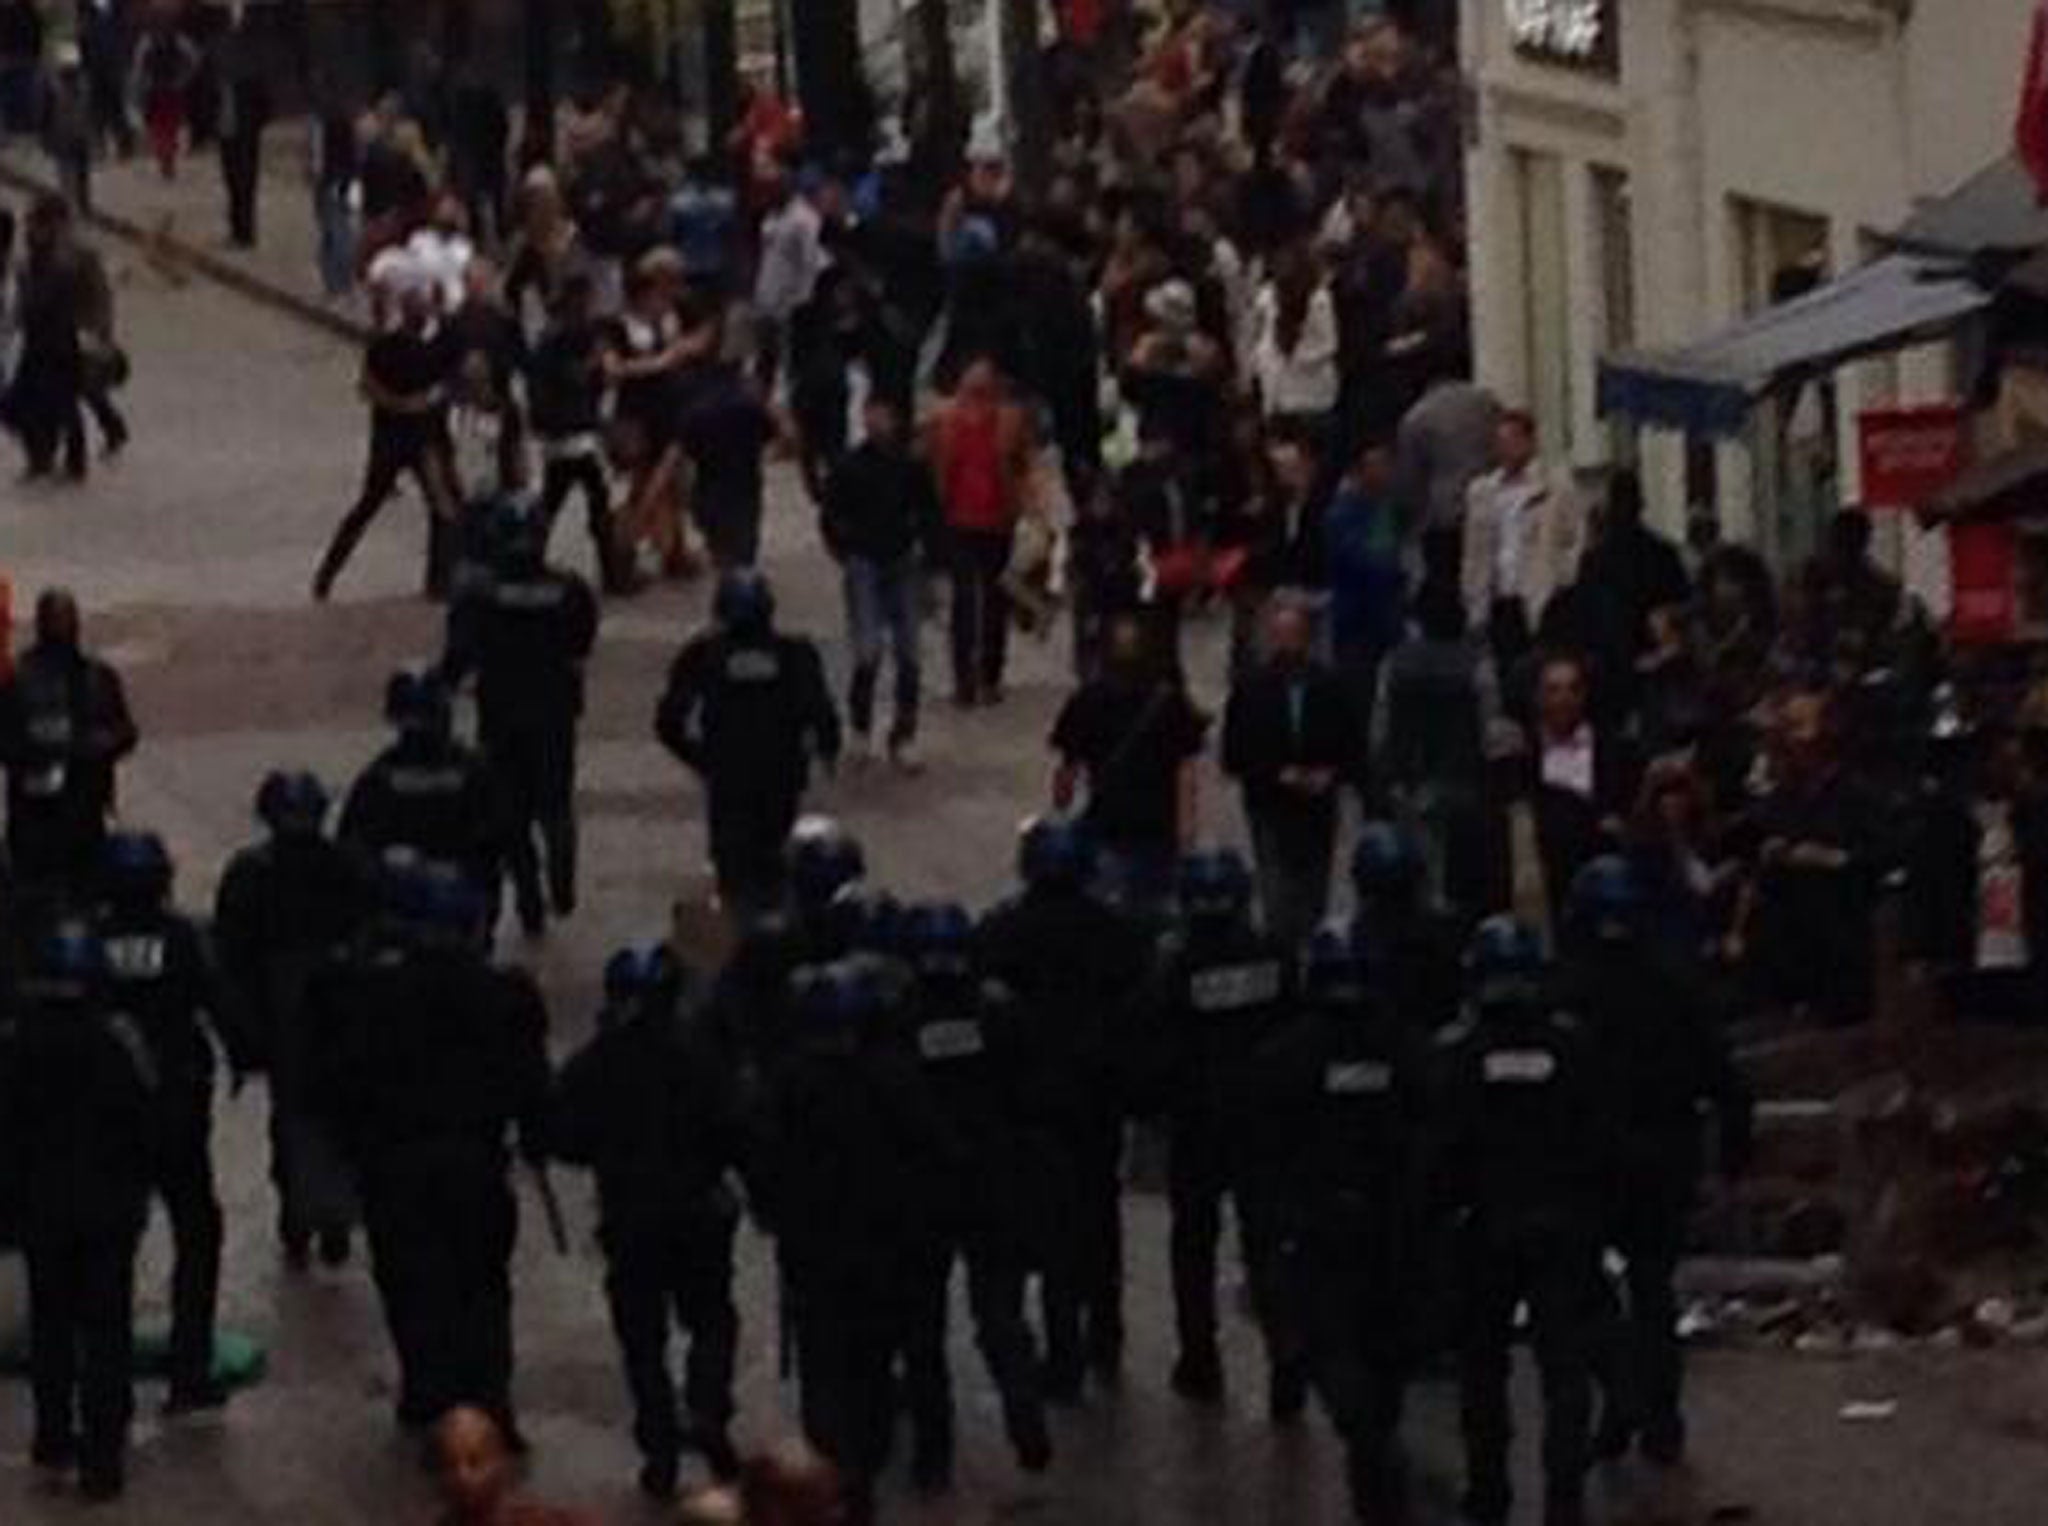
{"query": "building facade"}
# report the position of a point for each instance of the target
(1645, 171)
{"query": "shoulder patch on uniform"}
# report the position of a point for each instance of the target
(1358, 1078)
(1519, 1067)
(955, 1039)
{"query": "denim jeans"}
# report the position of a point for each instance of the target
(337, 225)
(882, 603)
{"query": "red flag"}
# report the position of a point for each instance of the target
(2030, 131)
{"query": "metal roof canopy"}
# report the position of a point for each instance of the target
(1710, 386)
(1996, 214)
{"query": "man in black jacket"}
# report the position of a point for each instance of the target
(526, 631)
(1290, 739)
(161, 974)
(64, 726)
(881, 513)
(654, 1111)
(77, 1093)
(747, 710)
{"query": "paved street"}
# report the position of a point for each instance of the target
(192, 556)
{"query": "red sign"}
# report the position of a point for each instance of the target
(1910, 454)
(1983, 563)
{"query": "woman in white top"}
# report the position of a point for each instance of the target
(1294, 352)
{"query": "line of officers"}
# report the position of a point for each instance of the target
(1418, 1139)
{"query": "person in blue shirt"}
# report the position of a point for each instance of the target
(1362, 552)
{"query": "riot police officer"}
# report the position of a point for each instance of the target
(1664, 1058)
(160, 973)
(749, 1010)
(1526, 1154)
(1073, 964)
(64, 726)
(1344, 1086)
(1418, 952)
(747, 709)
(286, 908)
(429, 1056)
(426, 792)
(653, 1110)
(77, 1125)
(1224, 988)
(855, 1149)
(526, 631)
(990, 1211)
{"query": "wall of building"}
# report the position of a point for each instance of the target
(1721, 115)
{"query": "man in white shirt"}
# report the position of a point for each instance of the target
(793, 257)
(1524, 532)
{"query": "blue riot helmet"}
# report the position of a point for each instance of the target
(1504, 963)
(862, 919)
(292, 804)
(431, 899)
(136, 868)
(745, 603)
(1605, 906)
(518, 535)
(1215, 886)
(938, 940)
(1386, 869)
(1054, 853)
(639, 977)
(416, 702)
(841, 1001)
(822, 856)
(1337, 967)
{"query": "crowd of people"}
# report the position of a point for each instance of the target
(1209, 371)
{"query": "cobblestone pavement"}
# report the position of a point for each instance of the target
(192, 556)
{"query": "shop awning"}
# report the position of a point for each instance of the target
(2004, 486)
(1709, 387)
(1996, 214)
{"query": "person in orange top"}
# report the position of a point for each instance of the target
(981, 458)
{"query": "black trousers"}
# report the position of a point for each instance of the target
(441, 1248)
(81, 1289)
(241, 162)
(849, 1327)
(566, 475)
(981, 612)
(1084, 1276)
(392, 457)
(44, 408)
(680, 1273)
(184, 1183)
(1295, 849)
(1555, 1269)
(536, 771)
(996, 1277)
(1642, 1365)
(1201, 1173)
(1353, 1290)
(749, 826)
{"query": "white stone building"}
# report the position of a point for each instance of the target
(1645, 171)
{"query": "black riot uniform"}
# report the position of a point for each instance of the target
(854, 1152)
(652, 1107)
(1418, 952)
(526, 630)
(64, 726)
(1663, 1058)
(1525, 1156)
(161, 973)
(78, 1099)
(748, 710)
(1343, 1088)
(428, 1056)
(1223, 989)
(287, 908)
(1074, 966)
(991, 1209)
(426, 792)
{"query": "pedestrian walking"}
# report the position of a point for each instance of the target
(880, 519)
(166, 66)
(980, 454)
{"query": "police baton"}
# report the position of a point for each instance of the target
(550, 1207)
